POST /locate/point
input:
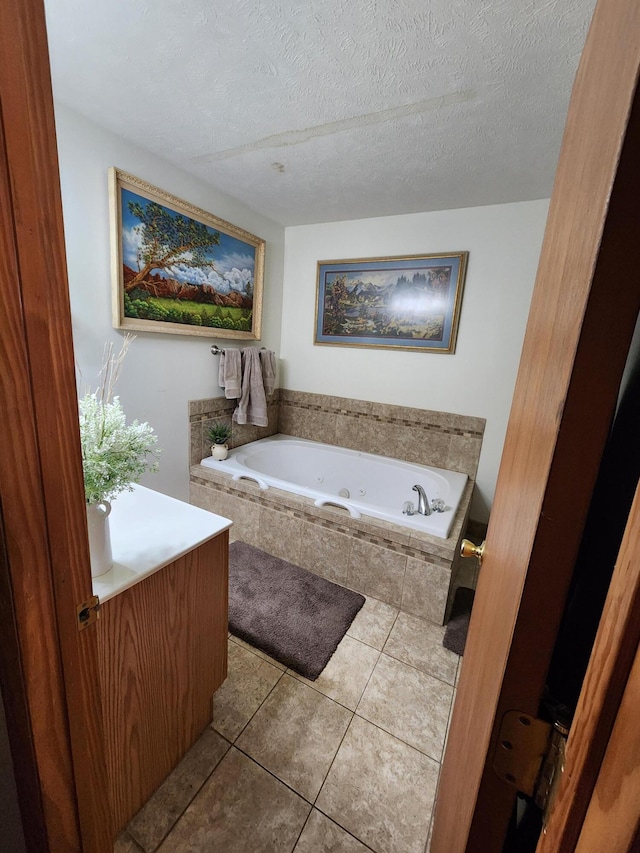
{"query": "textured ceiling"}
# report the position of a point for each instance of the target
(319, 110)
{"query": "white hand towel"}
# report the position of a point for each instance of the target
(268, 362)
(252, 406)
(230, 373)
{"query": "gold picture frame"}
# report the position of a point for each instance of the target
(409, 302)
(178, 269)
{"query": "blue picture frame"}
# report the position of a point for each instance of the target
(411, 302)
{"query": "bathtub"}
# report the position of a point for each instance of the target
(359, 483)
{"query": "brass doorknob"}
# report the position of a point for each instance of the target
(470, 549)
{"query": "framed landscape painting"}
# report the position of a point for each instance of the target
(397, 303)
(178, 269)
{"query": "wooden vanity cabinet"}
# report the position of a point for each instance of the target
(162, 654)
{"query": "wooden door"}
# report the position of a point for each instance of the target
(583, 312)
(597, 806)
(48, 668)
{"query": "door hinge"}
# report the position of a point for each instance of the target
(529, 756)
(88, 612)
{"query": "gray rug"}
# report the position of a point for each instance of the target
(293, 615)
(455, 635)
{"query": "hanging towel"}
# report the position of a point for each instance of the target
(268, 362)
(252, 406)
(230, 373)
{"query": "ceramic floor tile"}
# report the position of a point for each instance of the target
(419, 643)
(409, 704)
(345, 676)
(158, 815)
(381, 790)
(428, 845)
(240, 809)
(453, 702)
(125, 844)
(295, 735)
(248, 683)
(258, 652)
(321, 835)
(373, 623)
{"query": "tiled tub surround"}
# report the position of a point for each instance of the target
(406, 569)
(412, 571)
(204, 413)
(440, 439)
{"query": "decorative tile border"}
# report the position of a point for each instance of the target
(472, 431)
(422, 436)
(404, 574)
(307, 512)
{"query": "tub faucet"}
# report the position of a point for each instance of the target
(423, 503)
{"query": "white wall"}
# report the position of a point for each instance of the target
(162, 372)
(503, 242)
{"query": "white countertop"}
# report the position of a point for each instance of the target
(149, 530)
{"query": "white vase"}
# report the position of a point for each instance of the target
(99, 537)
(219, 451)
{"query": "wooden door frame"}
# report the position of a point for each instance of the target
(580, 326)
(48, 668)
(601, 724)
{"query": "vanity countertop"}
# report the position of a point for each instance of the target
(149, 530)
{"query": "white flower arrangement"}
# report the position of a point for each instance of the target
(113, 453)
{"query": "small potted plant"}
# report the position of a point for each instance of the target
(220, 436)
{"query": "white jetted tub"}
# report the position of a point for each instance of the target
(361, 483)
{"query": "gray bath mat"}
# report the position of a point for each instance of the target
(455, 635)
(293, 615)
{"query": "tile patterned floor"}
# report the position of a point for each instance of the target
(348, 763)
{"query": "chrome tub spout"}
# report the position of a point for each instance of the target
(423, 503)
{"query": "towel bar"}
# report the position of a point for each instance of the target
(216, 350)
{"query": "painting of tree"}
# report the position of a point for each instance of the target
(166, 240)
(179, 269)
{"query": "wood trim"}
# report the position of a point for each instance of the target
(582, 317)
(613, 818)
(163, 654)
(611, 660)
(32, 669)
(16, 704)
(42, 489)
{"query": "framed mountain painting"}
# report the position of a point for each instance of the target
(178, 269)
(410, 302)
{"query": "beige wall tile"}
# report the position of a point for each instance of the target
(195, 443)
(305, 423)
(244, 514)
(346, 404)
(464, 454)
(377, 571)
(383, 529)
(425, 590)
(280, 534)
(325, 552)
